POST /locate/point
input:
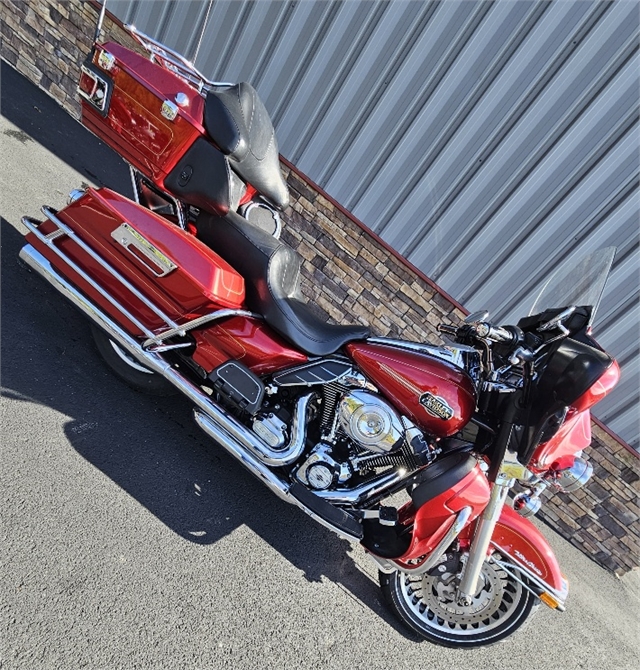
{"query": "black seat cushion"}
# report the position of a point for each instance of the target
(237, 121)
(271, 270)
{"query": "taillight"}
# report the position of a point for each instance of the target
(94, 88)
(87, 83)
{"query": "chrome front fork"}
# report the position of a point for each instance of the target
(482, 537)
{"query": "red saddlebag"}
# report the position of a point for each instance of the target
(177, 274)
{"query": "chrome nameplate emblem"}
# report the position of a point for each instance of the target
(144, 252)
(530, 564)
(169, 110)
(436, 406)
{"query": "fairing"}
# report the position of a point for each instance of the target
(433, 519)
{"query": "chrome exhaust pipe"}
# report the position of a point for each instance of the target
(156, 363)
(239, 441)
(361, 494)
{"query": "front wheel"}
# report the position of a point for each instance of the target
(428, 604)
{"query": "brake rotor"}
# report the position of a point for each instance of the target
(439, 593)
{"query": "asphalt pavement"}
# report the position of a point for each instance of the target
(130, 540)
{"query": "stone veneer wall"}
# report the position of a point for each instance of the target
(349, 274)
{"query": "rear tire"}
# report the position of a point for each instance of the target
(129, 369)
(426, 604)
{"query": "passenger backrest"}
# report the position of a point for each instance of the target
(237, 121)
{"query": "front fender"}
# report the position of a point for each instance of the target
(520, 541)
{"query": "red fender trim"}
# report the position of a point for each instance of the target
(528, 548)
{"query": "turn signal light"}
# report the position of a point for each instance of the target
(549, 600)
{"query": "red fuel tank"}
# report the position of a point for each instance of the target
(436, 395)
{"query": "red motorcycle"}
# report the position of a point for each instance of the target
(409, 448)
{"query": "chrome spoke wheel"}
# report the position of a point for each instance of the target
(429, 604)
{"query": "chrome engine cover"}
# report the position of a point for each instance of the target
(271, 429)
(370, 422)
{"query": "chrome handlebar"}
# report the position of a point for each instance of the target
(487, 334)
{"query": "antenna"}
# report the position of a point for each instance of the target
(100, 20)
(204, 26)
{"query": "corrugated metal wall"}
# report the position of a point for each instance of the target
(486, 141)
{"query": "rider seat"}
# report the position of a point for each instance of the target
(271, 270)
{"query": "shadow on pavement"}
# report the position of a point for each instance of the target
(150, 447)
(43, 120)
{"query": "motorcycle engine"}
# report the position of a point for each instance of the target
(370, 422)
(362, 422)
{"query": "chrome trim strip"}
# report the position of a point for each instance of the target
(200, 321)
(157, 348)
(221, 426)
(389, 566)
(449, 353)
(536, 579)
(505, 567)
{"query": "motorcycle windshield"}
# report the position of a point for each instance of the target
(579, 284)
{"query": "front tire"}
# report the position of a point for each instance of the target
(427, 604)
(130, 370)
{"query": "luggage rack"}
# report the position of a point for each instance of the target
(173, 61)
(154, 341)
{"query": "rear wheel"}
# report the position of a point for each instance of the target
(129, 369)
(428, 604)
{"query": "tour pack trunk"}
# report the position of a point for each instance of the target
(145, 272)
(148, 114)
